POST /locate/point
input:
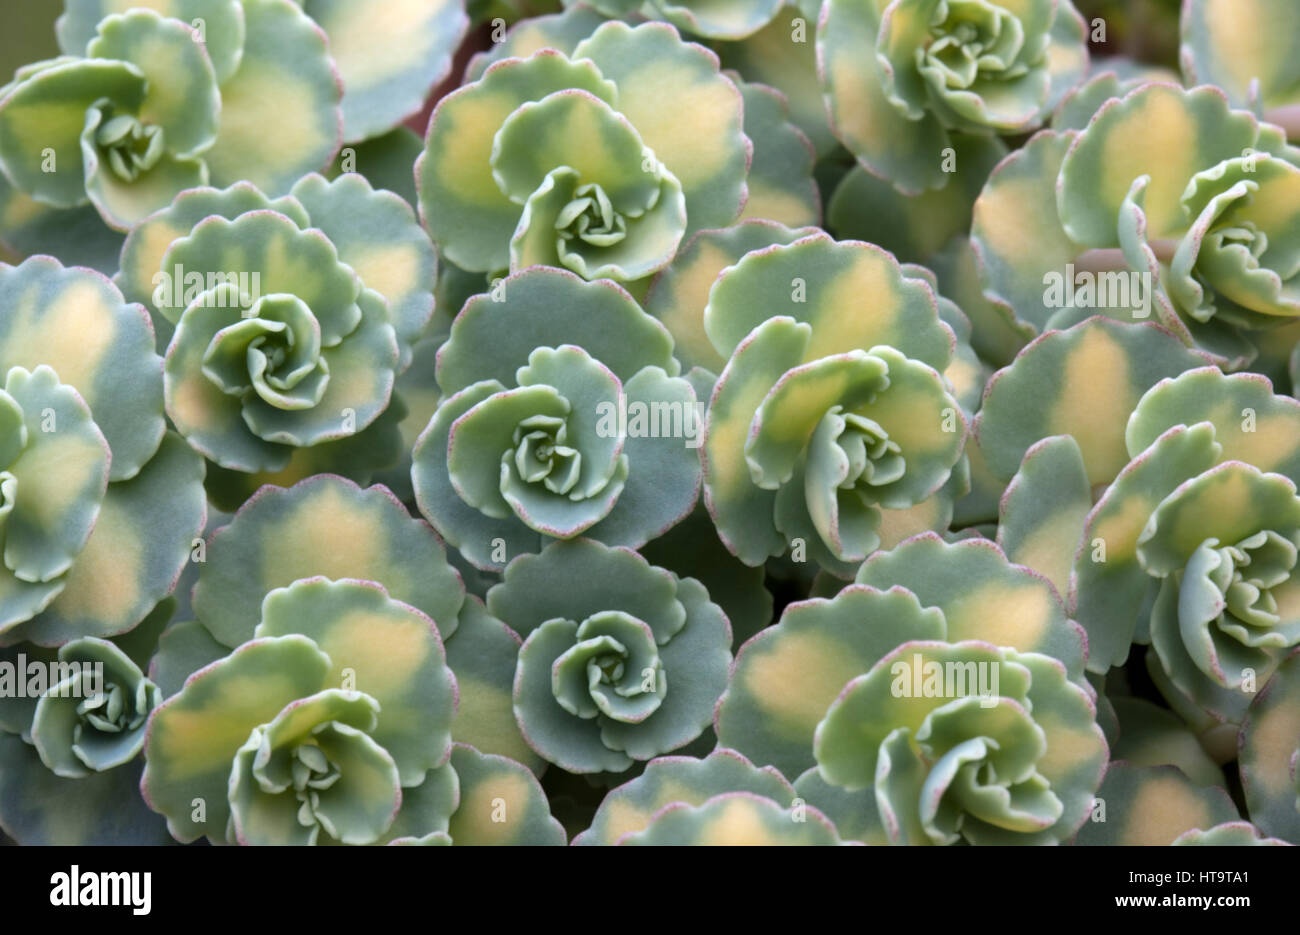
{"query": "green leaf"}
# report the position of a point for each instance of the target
(1042, 514)
(680, 292)
(495, 333)
(699, 138)
(389, 56)
(1152, 806)
(501, 804)
(378, 236)
(813, 280)
(141, 540)
(42, 119)
(781, 184)
(388, 650)
(57, 475)
(1082, 382)
(195, 735)
(666, 780)
(734, 819)
(39, 808)
(223, 25)
(783, 55)
(280, 112)
(1232, 44)
(1153, 736)
(982, 594)
(1268, 754)
(720, 19)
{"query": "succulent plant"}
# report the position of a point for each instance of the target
(660, 423)
(140, 107)
(903, 78)
(334, 744)
(72, 723)
(549, 429)
(1198, 243)
(1188, 546)
(146, 103)
(328, 527)
(574, 161)
(98, 504)
(624, 670)
(937, 733)
(287, 320)
(820, 421)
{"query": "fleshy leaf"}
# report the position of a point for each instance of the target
(280, 112)
(1152, 806)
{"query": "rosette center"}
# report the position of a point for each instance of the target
(541, 455)
(274, 351)
(591, 218)
(128, 145)
(613, 669)
(972, 39)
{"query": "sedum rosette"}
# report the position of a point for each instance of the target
(291, 318)
(1165, 507)
(780, 182)
(72, 723)
(138, 107)
(328, 527)
(931, 712)
(94, 719)
(1202, 241)
(151, 102)
(1190, 543)
(623, 669)
(551, 428)
(98, 506)
(599, 162)
(309, 733)
(829, 409)
(901, 77)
